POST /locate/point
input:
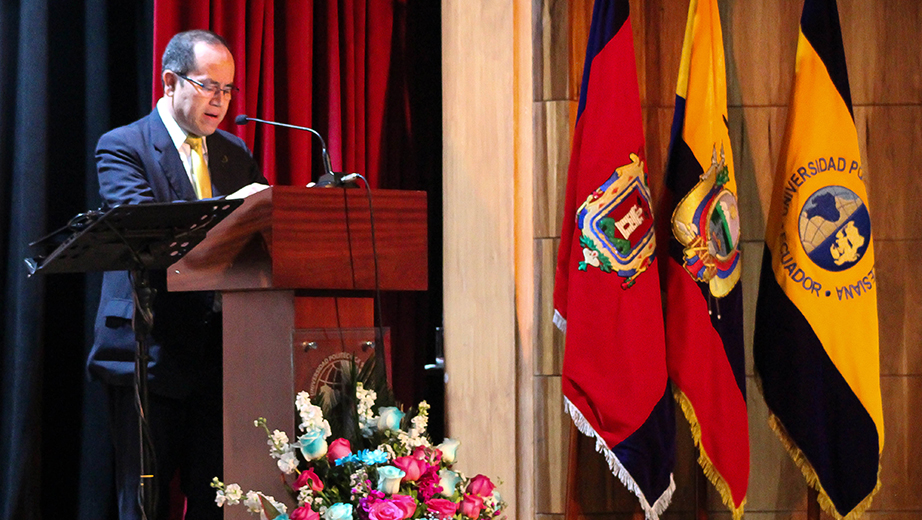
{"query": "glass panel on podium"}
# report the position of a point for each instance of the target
(322, 355)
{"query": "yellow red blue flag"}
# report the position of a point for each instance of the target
(704, 298)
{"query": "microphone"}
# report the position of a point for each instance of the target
(329, 178)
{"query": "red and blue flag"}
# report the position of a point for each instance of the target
(607, 288)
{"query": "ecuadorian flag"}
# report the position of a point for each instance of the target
(704, 298)
(816, 339)
(607, 289)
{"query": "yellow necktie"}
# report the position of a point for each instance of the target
(202, 180)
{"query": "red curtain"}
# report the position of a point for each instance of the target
(365, 74)
(317, 63)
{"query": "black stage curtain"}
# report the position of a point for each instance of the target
(69, 71)
(411, 152)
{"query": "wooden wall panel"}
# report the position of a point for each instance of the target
(756, 161)
(752, 252)
(657, 122)
(899, 306)
(658, 26)
(551, 50)
(775, 483)
(901, 473)
(550, 340)
(760, 41)
(525, 270)
(892, 138)
(580, 16)
(885, 70)
(882, 50)
(552, 437)
(552, 130)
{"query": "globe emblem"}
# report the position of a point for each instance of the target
(330, 375)
(835, 228)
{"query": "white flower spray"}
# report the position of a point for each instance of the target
(311, 415)
(278, 442)
(417, 435)
(230, 494)
(306, 495)
(288, 463)
(252, 502)
(365, 400)
(279, 447)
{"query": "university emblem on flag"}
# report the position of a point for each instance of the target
(617, 225)
(835, 228)
(706, 222)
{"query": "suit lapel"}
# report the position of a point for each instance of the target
(218, 164)
(167, 158)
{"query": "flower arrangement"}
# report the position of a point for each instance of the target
(380, 464)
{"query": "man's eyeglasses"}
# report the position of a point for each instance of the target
(211, 88)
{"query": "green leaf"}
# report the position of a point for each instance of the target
(723, 177)
(341, 411)
(269, 509)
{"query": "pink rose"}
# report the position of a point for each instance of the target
(420, 452)
(480, 485)
(442, 507)
(385, 510)
(406, 503)
(471, 506)
(338, 449)
(412, 466)
(430, 455)
(308, 477)
(304, 513)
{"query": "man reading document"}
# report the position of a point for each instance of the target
(176, 153)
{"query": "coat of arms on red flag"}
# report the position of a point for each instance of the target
(617, 224)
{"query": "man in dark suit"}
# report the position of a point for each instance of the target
(175, 153)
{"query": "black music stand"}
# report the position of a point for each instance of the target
(134, 238)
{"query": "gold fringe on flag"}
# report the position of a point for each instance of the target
(813, 480)
(810, 474)
(703, 460)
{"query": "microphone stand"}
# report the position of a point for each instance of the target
(329, 178)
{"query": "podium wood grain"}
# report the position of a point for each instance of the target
(295, 258)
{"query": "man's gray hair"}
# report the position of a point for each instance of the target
(179, 55)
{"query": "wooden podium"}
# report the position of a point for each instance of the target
(295, 258)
